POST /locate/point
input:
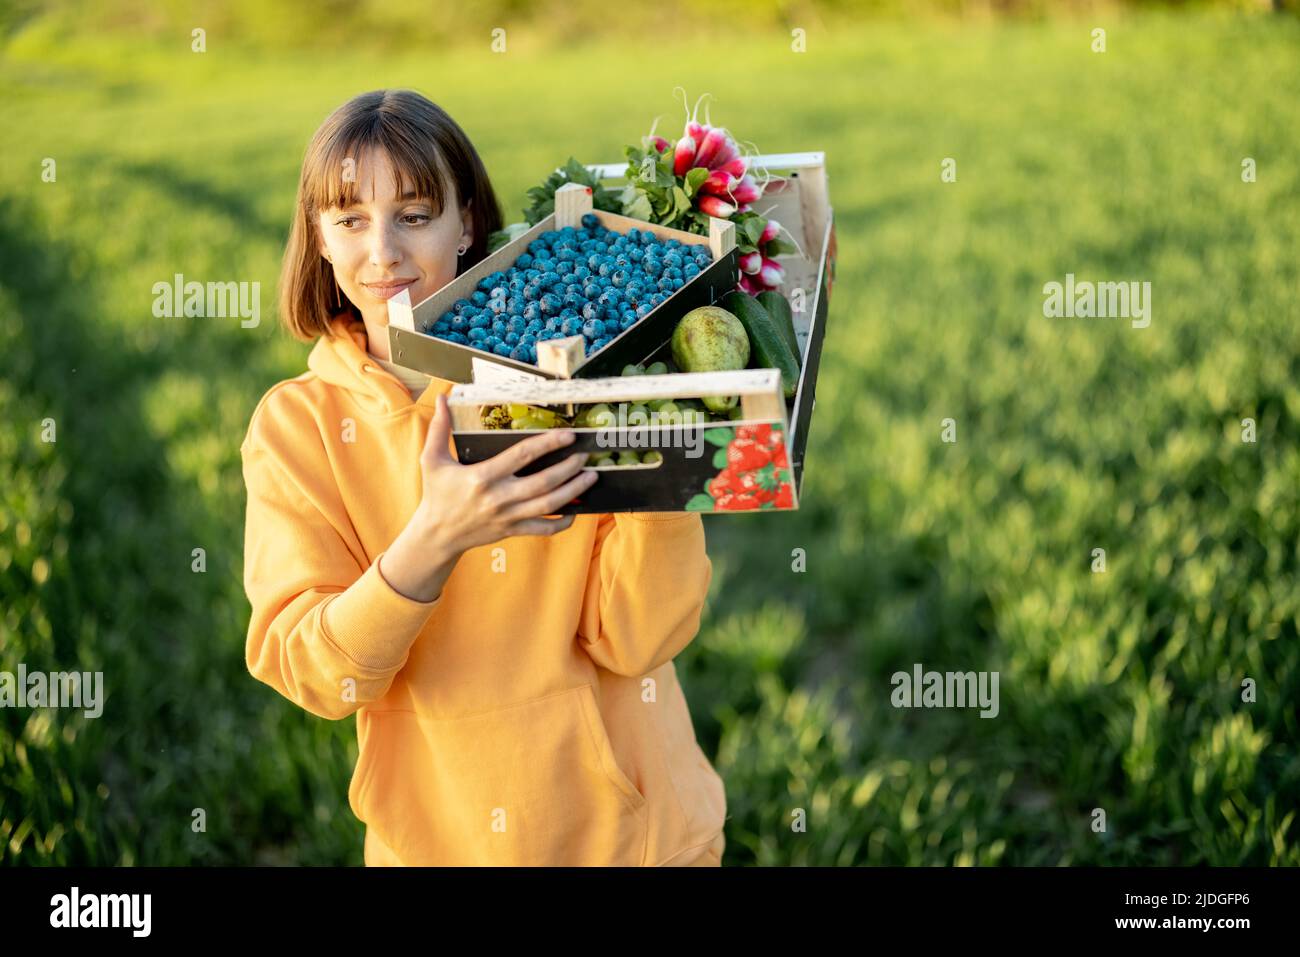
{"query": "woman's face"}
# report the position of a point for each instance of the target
(386, 243)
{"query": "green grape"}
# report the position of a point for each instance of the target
(602, 417)
(628, 457)
(651, 456)
(657, 368)
(630, 369)
(601, 459)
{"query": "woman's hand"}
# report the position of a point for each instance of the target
(465, 506)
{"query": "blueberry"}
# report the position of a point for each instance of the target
(460, 324)
(593, 328)
(477, 334)
(551, 302)
(481, 321)
(690, 270)
(479, 298)
(524, 261)
(571, 327)
(502, 349)
(499, 328)
(511, 339)
(457, 338)
(619, 278)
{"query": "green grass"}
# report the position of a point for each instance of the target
(1118, 690)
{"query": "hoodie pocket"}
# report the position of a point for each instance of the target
(535, 783)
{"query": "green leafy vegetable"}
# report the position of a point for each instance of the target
(542, 198)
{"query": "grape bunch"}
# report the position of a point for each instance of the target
(588, 281)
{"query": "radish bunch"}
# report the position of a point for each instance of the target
(759, 272)
(702, 175)
(728, 188)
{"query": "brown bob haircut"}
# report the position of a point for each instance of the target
(430, 153)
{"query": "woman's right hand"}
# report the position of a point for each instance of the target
(465, 506)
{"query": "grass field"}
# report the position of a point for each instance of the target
(1119, 690)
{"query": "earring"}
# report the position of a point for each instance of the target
(460, 251)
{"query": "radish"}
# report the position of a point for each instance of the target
(661, 144)
(750, 263)
(749, 285)
(737, 166)
(683, 156)
(714, 206)
(746, 191)
(719, 183)
(769, 232)
(771, 274)
(696, 132)
(725, 154)
(709, 146)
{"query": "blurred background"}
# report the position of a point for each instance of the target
(1119, 690)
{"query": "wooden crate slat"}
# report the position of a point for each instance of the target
(676, 385)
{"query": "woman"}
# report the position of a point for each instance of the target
(511, 673)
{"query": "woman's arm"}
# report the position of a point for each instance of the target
(329, 632)
(646, 586)
(326, 632)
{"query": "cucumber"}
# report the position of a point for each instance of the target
(769, 347)
(778, 307)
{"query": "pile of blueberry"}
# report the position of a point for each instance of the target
(591, 282)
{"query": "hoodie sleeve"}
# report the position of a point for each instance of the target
(646, 585)
(325, 632)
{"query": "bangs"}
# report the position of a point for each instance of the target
(416, 161)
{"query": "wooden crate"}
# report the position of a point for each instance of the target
(798, 198)
(693, 456)
(558, 358)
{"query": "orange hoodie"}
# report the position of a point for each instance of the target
(530, 715)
